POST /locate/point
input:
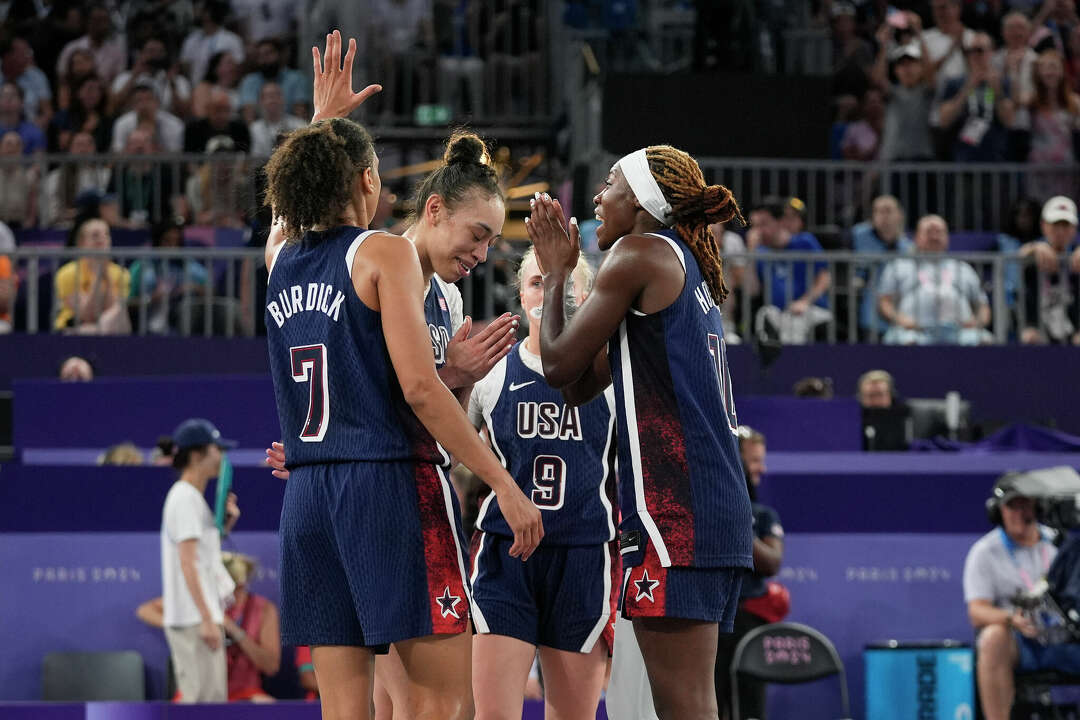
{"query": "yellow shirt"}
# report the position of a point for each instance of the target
(64, 282)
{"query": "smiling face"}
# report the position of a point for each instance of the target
(616, 209)
(463, 234)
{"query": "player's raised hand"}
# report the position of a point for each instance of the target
(524, 520)
(333, 96)
(275, 458)
(555, 247)
(468, 359)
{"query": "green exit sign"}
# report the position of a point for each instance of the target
(432, 115)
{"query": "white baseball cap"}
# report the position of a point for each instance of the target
(1059, 209)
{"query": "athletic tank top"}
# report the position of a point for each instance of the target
(680, 475)
(562, 457)
(338, 398)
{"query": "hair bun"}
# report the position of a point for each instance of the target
(466, 148)
(719, 204)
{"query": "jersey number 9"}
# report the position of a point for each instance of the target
(549, 482)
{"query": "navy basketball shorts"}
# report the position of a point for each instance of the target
(561, 598)
(652, 590)
(371, 554)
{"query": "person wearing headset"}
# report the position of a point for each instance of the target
(1010, 559)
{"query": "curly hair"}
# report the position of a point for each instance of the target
(310, 175)
(694, 207)
(467, 165)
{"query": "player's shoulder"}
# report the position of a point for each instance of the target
(488, 389)
(388, 251)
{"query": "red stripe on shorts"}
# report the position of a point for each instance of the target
(646, 591)
(446, 593)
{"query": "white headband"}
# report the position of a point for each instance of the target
(635, 168)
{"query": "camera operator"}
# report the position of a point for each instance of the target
(1011, 560)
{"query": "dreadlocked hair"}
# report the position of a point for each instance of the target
(694, 207)
(310, 175)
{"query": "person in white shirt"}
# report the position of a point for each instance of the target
(946, 41)
(195, 585)
(146, 111)
(209, 40)
(273, 123)
(1016, 60)
(154, 67)
(108, 48)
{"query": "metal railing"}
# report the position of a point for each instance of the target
(222, 189)
(221, 292)
(226, 189)
(971, 197)
(485, 64)
(183, 291)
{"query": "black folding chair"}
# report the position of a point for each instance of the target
(786, 653)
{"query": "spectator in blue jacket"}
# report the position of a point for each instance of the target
(883, 233)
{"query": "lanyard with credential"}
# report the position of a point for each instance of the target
(1010, 546)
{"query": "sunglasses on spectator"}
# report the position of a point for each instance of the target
(977, 49)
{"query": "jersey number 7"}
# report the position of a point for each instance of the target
(309, 366)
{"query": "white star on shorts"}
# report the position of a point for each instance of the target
(448, 603)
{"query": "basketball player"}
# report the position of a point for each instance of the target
(562, 600)
(458, 213)
(370, 529)
(685, 535)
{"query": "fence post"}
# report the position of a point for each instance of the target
(1001, 306)
(32, 296)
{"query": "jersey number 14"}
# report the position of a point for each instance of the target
(718, 349)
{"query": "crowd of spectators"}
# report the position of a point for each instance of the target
(954, 80)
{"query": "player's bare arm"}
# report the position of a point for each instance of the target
(388, 264)
(634, 265)
(333, 97)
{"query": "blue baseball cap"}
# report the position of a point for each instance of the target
(197, 432)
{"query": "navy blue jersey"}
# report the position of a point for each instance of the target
(766, 525)
(439, 320)
(562, 457)
(680, 477)
(338, 398)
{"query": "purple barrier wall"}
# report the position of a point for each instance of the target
(79, 592)
(49, 413)
(117, 499)
(243, 408)
(1003, 383)
(946, 496)
(39, 356)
